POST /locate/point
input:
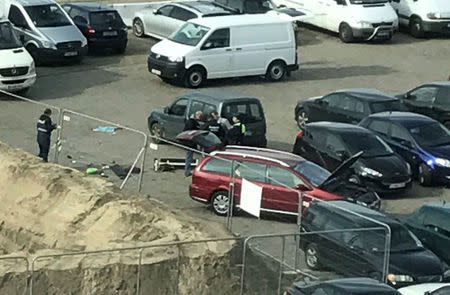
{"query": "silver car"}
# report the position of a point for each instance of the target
(166, 19)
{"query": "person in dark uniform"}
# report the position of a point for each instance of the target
(191, 124)
(236, 134)
(213, 125)
(44, 132)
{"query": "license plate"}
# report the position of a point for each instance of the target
(71, 53)
(111, 33)
(397, 185)
(156, 72)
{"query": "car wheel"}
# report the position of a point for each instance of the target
(345, 33)
(138, 27)
(276, 71)
(156, 131)
(302, 119)
(195, 77)
(312, 257)
(416, 27)
(424, 175)
(220, 203)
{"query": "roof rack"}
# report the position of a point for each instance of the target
(251, 156)
(257, 149)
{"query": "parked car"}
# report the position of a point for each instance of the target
(262, 6)
(431, 224)
(422, 17)
(281, 175)
(17, 72)
(431, 99)
(426, 289)
(162, 22)
(352, 19)
(169, 121)
(329, 144)
(102, 26)
(361, 253)
(226, 46)
(346, 106)
(45, 30)
(423, 142)
(348, 286)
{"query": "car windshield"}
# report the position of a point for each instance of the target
(368, 1)
(106, 18)
(314, 173)
(189, 34)
(432, 134)
(385, 106)
(8, 39)
(401, 240)
(370, 144)
(49, 15)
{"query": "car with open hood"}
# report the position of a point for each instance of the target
(281, 175)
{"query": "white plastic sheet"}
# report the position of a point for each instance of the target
(251, 197)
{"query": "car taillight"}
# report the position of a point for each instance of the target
(300, 134)
(90, 30)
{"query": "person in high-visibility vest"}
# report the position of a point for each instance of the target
(236, 134)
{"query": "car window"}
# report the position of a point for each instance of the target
(205, 108)
(66, 8)
(251, 171)
(165, 10)
(333, 143)
(218, 39)
(223, 2)
(179, 107)
(182, 14)
(385, 106)
(218, 166)
(315, 138)
(399, 133)
(74, 12)
(47, 15)
(16, 17)
(106, 18)
(8, 39)
(281, 176)
(236, 4)
(332, 100)
(251, 111)
(381, 127)
(443, 98)
(426, 94)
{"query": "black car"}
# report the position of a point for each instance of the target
(431, 99)
(168, 122)
(329, 144)
(346, 106)
(423, 142)
(101, 25)
(356, 252)
(431, 224)
(353, 286)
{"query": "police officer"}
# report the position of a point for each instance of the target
(44, 131)
(236, 134)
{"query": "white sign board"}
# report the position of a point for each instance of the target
(251, 197)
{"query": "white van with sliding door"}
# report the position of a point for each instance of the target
(226, 46)
(352, 19)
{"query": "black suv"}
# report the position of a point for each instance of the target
(361, 253)
(330, 144)
(346, 106)
(431, 99)
(169, 121)
(102, 26)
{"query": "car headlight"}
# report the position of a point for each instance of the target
(434, 15)
(175, 58)
(408, 168)
(442, 162)
(366, 171)
(394, 278)
(47, 44)
(365, 25)
(32, 68)
(83, 42)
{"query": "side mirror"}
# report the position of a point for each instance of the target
(166, 110)
(156, 11)
(207, 45)
(302, 187)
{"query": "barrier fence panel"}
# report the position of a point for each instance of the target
(15, 269)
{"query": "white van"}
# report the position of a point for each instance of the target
(422, 16)
(352, 19)
(17, 72)
(45, 29)
(226, 46)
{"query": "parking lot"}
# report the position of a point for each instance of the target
(119, 88)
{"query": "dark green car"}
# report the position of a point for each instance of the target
(431, 224)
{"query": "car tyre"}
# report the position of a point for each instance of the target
(345, 33)
(138, 28)
(220, 203)
(424, 175)
(156, 131)
(276, 71)
(195, 77)
(301, 118)
(416, 27)
(312, 259)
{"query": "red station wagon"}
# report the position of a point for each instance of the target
(281, 175)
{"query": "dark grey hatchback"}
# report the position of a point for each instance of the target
(168, 122)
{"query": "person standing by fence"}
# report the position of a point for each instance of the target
(191, 124)
(44, 132)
